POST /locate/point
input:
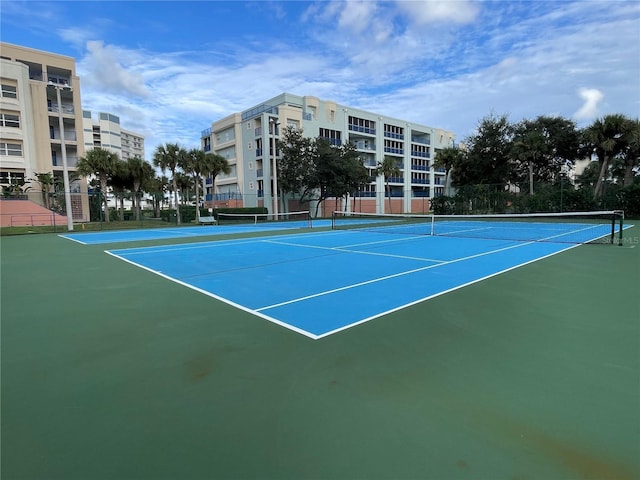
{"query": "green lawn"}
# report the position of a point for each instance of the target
(111, 372)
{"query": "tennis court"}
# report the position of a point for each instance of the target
(527, 367)
(240, 225)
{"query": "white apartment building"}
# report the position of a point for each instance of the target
(104, 130)
(40, 122)
(246, 140)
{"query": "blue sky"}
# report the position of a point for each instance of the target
(169, 69)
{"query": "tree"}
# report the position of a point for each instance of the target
(605, 138)
(194, 164)
(140, 172)
(389, 169)
(448, 158)
(488, 154)
(156, 186)
(528, 148)
(297, 164)
(47, 183)
(632, 153)
(121, 182)
(213, 166)
(102, 164)
(168, 157)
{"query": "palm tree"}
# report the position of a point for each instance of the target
(102, 164)
(139, 171)
(121, 182)
(195, 164)
(448, 158)
(169, 157)
(605, 137)
(47, 182)
(215, 165)
(389, 168)
(632, 155)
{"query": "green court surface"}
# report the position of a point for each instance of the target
(112, 372)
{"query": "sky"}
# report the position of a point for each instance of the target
(169, 69)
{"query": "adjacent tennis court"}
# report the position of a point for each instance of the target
(321, 283)
(229, 225)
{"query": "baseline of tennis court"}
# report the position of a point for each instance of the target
(321, 283)
(117, 236)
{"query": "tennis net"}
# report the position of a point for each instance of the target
(287, 220)
(574, 227)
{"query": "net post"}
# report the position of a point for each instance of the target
(613, 227)
(333, 220)
(621, 215)
(433, 225)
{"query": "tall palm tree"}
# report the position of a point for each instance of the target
(215, 165)
(389, 168)
(102, 164)
(121, 182)
(606, 137)
(47, 182)
(168, 157)
(448, 158)
(195, 165)
(632, 154)
(139, 171)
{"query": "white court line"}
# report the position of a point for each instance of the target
(217, 297)
(408, 272)
(362, 252)
(209, 243)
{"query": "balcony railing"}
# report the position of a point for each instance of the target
(357, 128)
(422, 140)
(259, 172)
(399, 151)
(72, 161)
(398, 136)
(71, 136)
(62, 109)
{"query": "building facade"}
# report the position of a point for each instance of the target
(247, 140)
(41, 127)
(103, 130)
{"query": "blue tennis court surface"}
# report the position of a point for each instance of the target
(116, 236)
(321, 283)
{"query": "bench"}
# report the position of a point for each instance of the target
(209, 220)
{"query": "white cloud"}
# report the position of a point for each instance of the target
(424, 12)
(589, 109)
(107, 68)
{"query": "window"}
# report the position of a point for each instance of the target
(9, 120)
(8, 91)
(11, 149)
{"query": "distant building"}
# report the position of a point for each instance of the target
(104, 130)
(246, 140)
(40, 113)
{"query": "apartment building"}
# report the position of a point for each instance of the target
(41, 127)
(103, 130)
(247, 140)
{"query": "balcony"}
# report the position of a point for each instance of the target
(415, 153)
(422, 140)
(72, 161)
(259, 172)
(357, 128)
(66, 109)
(258, 152)
(398, 151)
(397, 136)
